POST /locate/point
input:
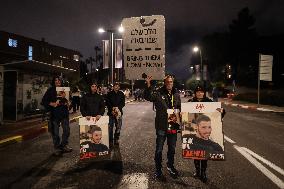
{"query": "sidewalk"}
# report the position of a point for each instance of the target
(25, 129)
(252, 106)
(30, 128)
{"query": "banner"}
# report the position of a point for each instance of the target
(94, 138)
(106, 54)
(205, 72)
(197, 71)
(118, 53)
(202, 133)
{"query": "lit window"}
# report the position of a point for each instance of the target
(12, 42)
(76, 57)
(30, 53)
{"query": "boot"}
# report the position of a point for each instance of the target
(203, 176)
(197, 172)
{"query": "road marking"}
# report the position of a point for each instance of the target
(270, 164)
(229, 140)
(260, 167)
(134, 180)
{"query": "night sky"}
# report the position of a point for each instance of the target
(73, 23)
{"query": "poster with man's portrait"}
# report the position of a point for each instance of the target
(173, 121)
(63, 92)
(94, 138)
(202, 132)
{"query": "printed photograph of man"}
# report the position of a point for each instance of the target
(93, 144)
(173, 124)
(201, 140)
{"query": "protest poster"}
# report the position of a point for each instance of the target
(144, 47)
(94, 138)
(202, 133)
(173, 121)
(63, 92)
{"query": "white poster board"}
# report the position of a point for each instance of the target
(202, 133)
(144, 47)
(94, 138)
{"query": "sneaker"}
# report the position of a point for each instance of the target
(159, 176)
(57, 152)
(173, 172)
(67, 149)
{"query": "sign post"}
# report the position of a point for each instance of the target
(264, 71)
(144, 47)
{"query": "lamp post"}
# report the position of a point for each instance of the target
(196, 49)
(111, 33)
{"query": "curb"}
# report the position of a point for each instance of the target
(251, 107)
(34, 132)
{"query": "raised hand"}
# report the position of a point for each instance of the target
(148, 80)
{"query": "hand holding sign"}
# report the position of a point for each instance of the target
(148, 80)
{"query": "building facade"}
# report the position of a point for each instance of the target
(26, 70)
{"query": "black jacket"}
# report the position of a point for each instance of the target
(92, 105)
(114, 99)
(162, 103)
(209, 146)
(206, 99)
(59, 112)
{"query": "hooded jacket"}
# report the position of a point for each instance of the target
(92, 105)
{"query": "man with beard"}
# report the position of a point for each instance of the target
(164, 98)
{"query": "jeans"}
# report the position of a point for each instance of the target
(118, 123)
(75, 103)
(171, 142)
(54, 130)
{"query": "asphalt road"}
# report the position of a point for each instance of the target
(254, 157)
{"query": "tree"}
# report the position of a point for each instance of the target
(243, 47)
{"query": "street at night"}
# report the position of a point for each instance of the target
(141, 94)
(30, 164)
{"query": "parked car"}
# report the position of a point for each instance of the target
(225, 93)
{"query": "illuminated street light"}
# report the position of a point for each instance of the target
(121, 29)
(101, 30)
(196, 49)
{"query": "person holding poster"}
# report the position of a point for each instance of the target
(203, 133)
(92, 104)
(165, 98)
(115, 101)
(59, 114)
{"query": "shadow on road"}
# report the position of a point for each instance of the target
(92, 174)
(32, 176)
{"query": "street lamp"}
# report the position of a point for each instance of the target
(111, 33)
(196, 49)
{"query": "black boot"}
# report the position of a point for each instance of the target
(197, 172)
(203, 176)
